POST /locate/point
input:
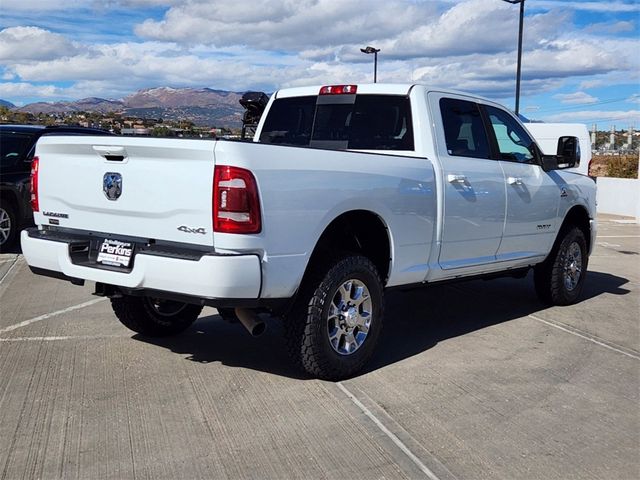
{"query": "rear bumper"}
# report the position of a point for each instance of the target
(206, 277)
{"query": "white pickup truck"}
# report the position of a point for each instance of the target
(347, 190)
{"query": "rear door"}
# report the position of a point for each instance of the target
(157, 189)
(473, 184)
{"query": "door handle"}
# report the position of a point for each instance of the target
(452, 178)
(514, 181)
(111, 153)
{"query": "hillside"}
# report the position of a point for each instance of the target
(203, 106)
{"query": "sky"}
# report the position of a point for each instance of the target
(581, 59)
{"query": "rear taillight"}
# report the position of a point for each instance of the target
(236, 207)
(339, 90)
(35, 163)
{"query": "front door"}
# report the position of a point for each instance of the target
(532, 195)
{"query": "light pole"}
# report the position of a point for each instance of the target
(519, 71)
(375, 60)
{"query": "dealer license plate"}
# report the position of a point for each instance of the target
(115, 253)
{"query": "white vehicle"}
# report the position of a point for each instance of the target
(546, 136)
(348, 190)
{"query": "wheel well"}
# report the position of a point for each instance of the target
(358, 231)
(7, 196)
(578, 217)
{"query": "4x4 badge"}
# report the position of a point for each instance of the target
(112, 185)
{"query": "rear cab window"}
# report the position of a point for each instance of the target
(354, 122)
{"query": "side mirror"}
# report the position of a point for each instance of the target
(568, 152)
(567, 156)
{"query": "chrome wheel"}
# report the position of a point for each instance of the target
(572, 266)
(166, 308)
(5, 226)
(349, 317)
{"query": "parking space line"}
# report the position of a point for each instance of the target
(59, 338)
(618, 236)
(15, 262)
(388, 433)
(52, 314)
(586, 337)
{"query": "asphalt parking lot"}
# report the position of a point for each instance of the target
(474, 380)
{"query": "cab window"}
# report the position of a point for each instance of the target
(464, 130)
(364, 122)
(514, 144)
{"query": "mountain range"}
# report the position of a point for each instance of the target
(203, 106)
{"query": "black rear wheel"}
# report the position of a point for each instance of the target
(336, 319)
(154, 317)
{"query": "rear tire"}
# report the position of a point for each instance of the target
(336, 320)
(560, 278)
(8, 225)
(154, 317)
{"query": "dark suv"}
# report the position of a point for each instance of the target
(17, 147)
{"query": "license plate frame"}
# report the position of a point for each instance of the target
(115, 253)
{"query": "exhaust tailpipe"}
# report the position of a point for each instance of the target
(251, 321)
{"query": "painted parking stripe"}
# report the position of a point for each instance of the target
(399, 443)
(586, 337)
(15, 262)
(61, 338)
(52, 314)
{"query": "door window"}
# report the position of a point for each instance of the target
(464, 130)
(514, 144)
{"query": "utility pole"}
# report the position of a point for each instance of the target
(519, 69)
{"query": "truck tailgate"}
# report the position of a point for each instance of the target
(150, 188)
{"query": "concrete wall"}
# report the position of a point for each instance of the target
(619, 196)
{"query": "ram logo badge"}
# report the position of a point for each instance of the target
(185, 229)
(112, 185)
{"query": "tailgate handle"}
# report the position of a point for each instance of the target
(111, 154)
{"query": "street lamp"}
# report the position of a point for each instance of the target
(375, 60)
(518, 73)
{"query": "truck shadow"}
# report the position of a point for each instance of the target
(415, 321)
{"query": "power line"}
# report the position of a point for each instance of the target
(585, 105)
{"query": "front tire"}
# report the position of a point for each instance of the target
(334, 324)
(560, 278)
(154, 317)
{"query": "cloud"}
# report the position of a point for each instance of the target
(24, 89)
(607, 6)
(289, 25)
(577, 98)
(623, 117)
(33, 43)
(266, 44)
(611, 28)
(66, 5)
